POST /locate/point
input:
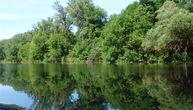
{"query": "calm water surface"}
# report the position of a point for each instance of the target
(96, 87)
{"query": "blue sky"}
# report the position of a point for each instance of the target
(17, 16)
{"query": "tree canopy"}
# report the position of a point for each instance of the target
(81, 32)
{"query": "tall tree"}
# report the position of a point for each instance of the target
(173, 33)
(2, 53)
(86, 16)
(39, 46)
(89, 20)
(61, 16)
(124, 33)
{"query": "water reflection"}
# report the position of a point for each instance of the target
(10, 96)
(101, 87)
(171, 85)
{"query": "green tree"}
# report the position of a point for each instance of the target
(61, 16)
(23, 53)
(84, 12)
(89, 20)
(127, 33)
(172, 34)
(2, 53)
(39, 46)
(58, 47)
(12, 46)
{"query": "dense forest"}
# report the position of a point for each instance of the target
(153, 31)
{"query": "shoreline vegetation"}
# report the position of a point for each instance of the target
(147, 31)
(91, 62)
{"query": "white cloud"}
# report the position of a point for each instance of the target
(9, 16)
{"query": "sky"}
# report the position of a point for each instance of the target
(18, 16)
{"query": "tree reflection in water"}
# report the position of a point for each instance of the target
(102, 87)
(171, 85)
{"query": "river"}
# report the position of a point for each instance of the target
(96, 87)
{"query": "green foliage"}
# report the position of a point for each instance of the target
(110, 89)
(90, 20)
(128, 31)
(81, 50)
(38, 47)
(84, 13)
(61, 18)
(23, 54)
(52, 39)
(146, 31)
(94, 55)
(58, 47)
(130, 56)
(173, 32)
(10, 48)
(2, 53)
